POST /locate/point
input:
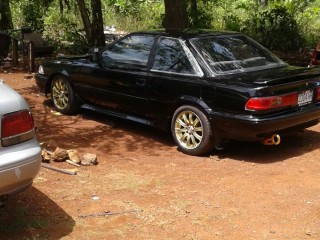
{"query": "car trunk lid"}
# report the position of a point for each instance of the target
(287, 75)
(9, 99)
(16, 122)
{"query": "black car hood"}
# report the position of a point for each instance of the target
(78, 59)
(271, 77)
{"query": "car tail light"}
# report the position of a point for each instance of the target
(268, 103)
(16, 127)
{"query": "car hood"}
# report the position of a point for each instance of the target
(10, 100)
(271, 77)
(77, 59)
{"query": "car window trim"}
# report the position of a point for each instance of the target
(142, 67)
(214, 74)
(195, 65)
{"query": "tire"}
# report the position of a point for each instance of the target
(191, 131)
(63, 97)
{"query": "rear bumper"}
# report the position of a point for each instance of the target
(248, 128)
(19, 168)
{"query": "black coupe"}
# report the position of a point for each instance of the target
(205, 86)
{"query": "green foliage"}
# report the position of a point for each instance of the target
(131, 15)
(276, 28)
(309, 23)
(281, 25)
(64, 30)
(203, 16)
(29, 13)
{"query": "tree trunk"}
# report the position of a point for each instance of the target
(5, 24)
(94, 28)
(85, 20)
(194, 13)
(5, 15)
(175, 14)
(97, 23)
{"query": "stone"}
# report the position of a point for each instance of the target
(73, 156)
(59, 155)
(46, 156)
(89, 159)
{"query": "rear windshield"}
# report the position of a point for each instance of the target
(231, 54)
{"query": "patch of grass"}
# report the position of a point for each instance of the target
(21, 223)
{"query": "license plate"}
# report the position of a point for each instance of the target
(305, 97)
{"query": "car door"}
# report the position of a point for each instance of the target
(175, 74)
(121, 79)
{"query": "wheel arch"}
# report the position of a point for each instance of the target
(202, 106)
(189, 100)
(61, 72)
(184, 100)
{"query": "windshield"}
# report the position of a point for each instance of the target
(231, 54)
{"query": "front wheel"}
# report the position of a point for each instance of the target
(63, 97)
(191, 130)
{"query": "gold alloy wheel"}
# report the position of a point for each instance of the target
(188, 130)
(60, 94)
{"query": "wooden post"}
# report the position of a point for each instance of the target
(30, 56)
(15, 54)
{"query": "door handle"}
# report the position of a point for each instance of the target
(141, 82)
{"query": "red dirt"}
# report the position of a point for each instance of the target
(152, 191)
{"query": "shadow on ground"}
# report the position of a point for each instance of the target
(137, 137)
(32, 215)
(293, 145)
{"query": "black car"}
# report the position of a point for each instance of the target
(206, 86)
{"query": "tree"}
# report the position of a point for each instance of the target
(175, 14)
(93, 27)
(5, 24)
(194, 12)
(5, 15)
(85, 19)
(97, 23)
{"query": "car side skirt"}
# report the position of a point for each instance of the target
(117, 114)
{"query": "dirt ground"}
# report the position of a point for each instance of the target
(147, 189)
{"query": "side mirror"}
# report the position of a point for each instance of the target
(96, 56)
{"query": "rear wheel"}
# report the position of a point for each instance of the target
(191, 130)
(63, 97)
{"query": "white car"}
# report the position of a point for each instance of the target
(20, 153)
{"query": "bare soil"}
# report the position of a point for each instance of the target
(147, 189)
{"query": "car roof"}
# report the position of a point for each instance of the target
(187, 33)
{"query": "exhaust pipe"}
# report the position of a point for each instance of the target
(275, 139)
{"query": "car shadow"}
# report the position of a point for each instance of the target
(138, 130)
(293, 145)
(32, 215)
(130, 127)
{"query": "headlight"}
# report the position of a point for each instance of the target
(41, 71)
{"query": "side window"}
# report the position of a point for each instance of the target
(131, 52)
(171, 57)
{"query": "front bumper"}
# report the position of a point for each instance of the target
(41, 81)
(248, 128)
(19, 167)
